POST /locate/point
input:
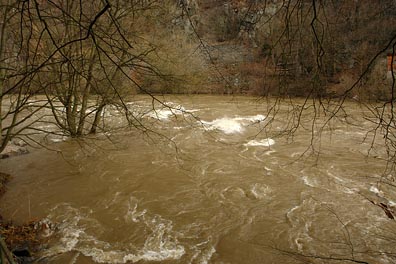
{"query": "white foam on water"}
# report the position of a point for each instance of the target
(203, 252)
(162, 114)
(267, 169)
(132, 212)
(300, 218)
(58, 139)
(90, 110)
(255, 118)
(101, 256)
(207, 255)
(267, 142)
(341, 185)
(75, 257)
(309, 181)
(161, 243)
(269, 152)
(227, 125)
(290, 211)
(336, 178)
(118, 256)
(375, 190)
(69, 231)
(168, 110)
(232, 125)
(232, 192)
(110, 111)
(260, 191)
(392, 203)
(348, 190)
(162, 254)
(296, 154)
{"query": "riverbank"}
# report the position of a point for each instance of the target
(24, 240)
(4, 178)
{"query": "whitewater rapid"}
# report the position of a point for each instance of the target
(219, 183)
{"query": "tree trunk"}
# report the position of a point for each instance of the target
(85, 96)
(96, 121)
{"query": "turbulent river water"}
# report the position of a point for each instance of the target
(220, 188)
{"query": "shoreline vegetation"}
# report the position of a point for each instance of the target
(23, 241)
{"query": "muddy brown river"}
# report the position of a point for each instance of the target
(219, 187)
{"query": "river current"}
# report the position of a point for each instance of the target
(220, 183)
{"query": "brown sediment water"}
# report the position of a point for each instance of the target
(222, 191)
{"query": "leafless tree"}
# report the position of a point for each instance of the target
(83, 56)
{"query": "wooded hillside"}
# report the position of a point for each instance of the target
(297, 47)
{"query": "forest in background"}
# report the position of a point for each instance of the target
(298, 48)
(259, 47)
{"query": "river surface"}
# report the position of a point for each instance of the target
(216, 186)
